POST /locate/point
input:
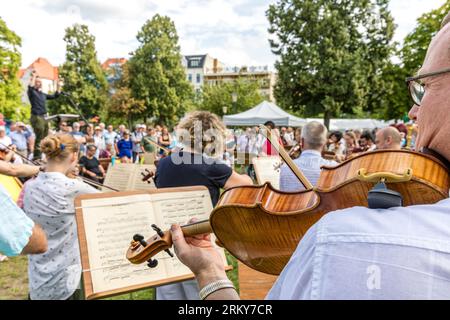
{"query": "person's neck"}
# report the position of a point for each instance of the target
(312, 150)
(57, 167)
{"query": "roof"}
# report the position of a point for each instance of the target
(263, 112)
(111, 61)
(196, 61)
(43, 68)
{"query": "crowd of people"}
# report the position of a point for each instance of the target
(334, 259)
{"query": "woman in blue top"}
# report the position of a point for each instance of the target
(125, 148)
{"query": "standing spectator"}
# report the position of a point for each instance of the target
(90, 166)
(110, 135)
(165, 140)
(136, 138)
(19, 139)
(150, 141)
(125, 148)
(268, 149)
(99, 140)
(31, 139)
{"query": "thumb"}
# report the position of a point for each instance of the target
(178, 240)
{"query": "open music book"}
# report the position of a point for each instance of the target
(128, 176)
(106, 224)
(267, 169)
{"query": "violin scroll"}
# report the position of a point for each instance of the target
(147, 175)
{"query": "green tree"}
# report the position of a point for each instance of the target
(10, 88)
(332, 53)
(82, 74)
(416, 43)
(157, 75)
(216, 98)
(122, 104)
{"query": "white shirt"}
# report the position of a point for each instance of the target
(309, 162)
(5, 142)
(361, 253)
(49, 202)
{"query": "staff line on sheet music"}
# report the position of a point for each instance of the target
(133, 202)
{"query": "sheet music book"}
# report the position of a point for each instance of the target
(267, 169)
(128, 176)
(106, 224)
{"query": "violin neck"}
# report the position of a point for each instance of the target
(288, 160)
(197, 228)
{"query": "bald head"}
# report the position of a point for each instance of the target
(388, 138)
(314, 136)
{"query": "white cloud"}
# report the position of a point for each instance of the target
(234, 31)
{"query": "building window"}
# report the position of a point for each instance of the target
(198, 77)
(190, 77)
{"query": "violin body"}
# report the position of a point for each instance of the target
(262, 226)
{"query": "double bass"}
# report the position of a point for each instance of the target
(262, 226)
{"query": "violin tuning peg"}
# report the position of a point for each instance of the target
(152, 263)
(169, 253)
(139, 238)
(158, 230)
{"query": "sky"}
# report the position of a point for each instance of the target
(234, 31)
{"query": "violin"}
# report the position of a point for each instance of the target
(262, 226)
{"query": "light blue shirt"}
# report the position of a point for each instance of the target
(309, 163)
(19, 139)
(15, 227)
(361, 253)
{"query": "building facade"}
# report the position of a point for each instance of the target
(204, 70)
(265, 78)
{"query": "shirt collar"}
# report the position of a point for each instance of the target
(314, 152)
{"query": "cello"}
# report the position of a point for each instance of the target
(262, 226)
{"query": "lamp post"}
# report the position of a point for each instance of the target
(234, 97)
(224, 110)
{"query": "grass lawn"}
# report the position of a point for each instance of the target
(14, 281)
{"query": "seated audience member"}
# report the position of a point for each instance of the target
(367, 141)
(108, 152)
(125, 148)
(388, 138)
(49, 201)
(194, 166)
(314, 138)
(90, 166)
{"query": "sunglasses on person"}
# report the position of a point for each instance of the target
(417, 88)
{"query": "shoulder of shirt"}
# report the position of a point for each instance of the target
(362, 220)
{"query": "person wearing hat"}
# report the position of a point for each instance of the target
(19, 138)
(99, 140)
(136, 138)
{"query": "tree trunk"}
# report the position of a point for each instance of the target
(326, 119)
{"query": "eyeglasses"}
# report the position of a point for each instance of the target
(416, 87)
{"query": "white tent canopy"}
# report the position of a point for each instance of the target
(263, 112)
(353, 124)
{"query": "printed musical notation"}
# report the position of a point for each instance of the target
(110, 223)
(127, 176)
(267, 169)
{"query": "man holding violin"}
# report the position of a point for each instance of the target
(361, 253)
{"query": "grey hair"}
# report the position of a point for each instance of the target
(315, 134)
